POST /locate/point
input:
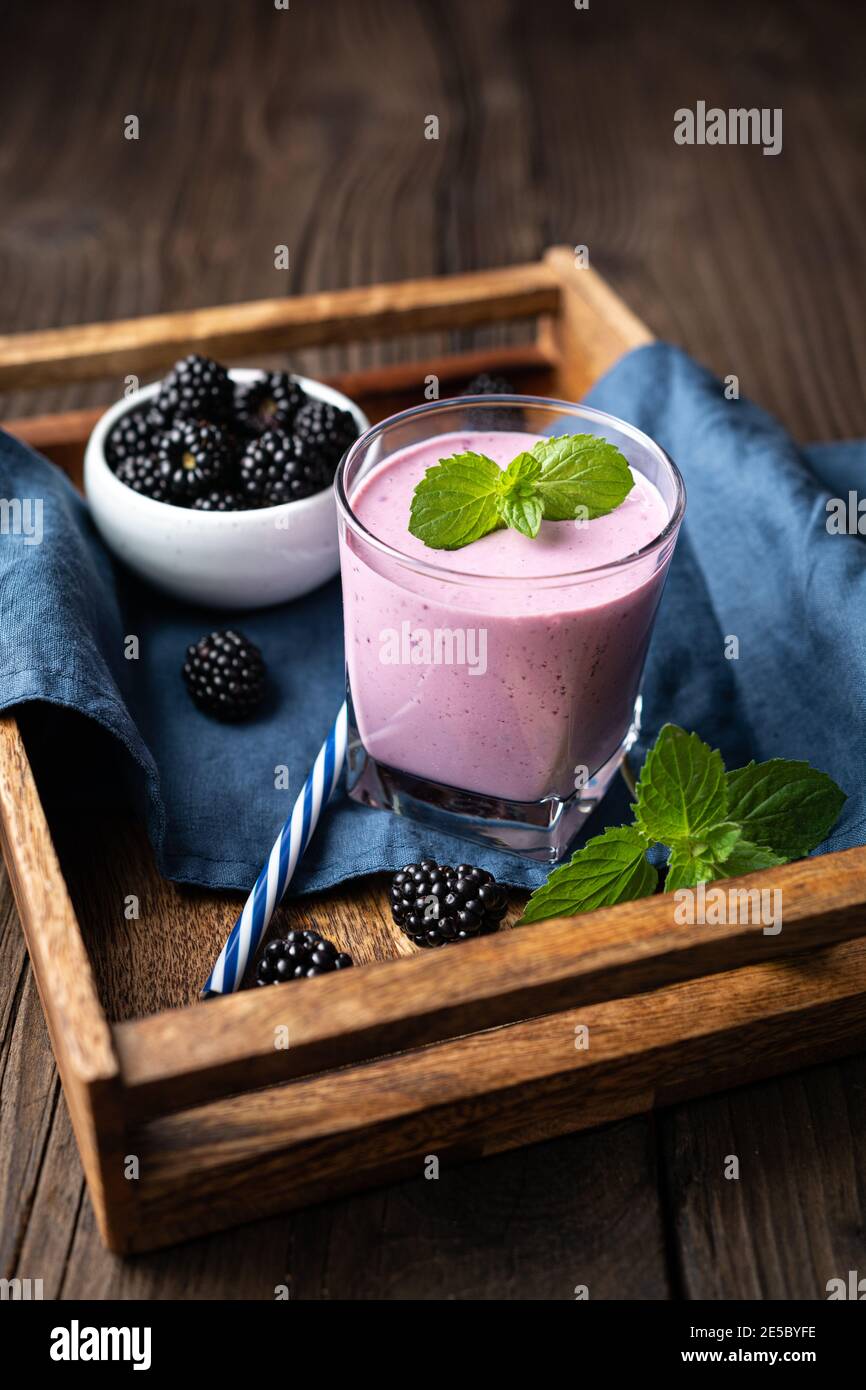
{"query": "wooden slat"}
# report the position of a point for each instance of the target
(79, 1031)
(185, 1057)
(593, 327)
(231, 331)
(62, 437)
(246, 1157)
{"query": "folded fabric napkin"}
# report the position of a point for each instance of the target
(754, 560)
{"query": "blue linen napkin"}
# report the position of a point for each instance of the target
(113, 724)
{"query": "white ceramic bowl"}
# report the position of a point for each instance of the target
(220, 559)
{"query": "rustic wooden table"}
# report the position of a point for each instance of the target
(304, 127)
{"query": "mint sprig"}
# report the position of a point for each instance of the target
(455, 502)
(517, 501)
(612, 867)
(708, 823)
(788, 805)
(581, 475)
(682, 789)
(464, 497)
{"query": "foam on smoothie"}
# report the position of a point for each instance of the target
(383, 499)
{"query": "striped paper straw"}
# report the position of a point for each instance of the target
(277, 873)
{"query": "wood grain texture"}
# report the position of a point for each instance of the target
(76, 1015)
(236, 331)
(80, 1036)
(255, 134)
(182, 1058)
(311, 1139)
(380, 390)
(731, 1230)
(593, 327)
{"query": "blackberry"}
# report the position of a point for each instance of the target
(218, 501)
(435, 903)
(225, 675)
(300, 955)
(135, 435)
(198, 389)
(322, 433)
(271, 472)
(194, 456)
(486, 384)
(143, 475)
(489, 417)
(269, 404)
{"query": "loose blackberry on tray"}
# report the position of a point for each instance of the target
(225, 675)
(198, 389)
(270, 403)
(435, 904)
(322, 433)
(300, 955)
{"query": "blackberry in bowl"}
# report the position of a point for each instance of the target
(194, 456)
(271, 403)
(322, 433)
(190, 491)
(271, 471)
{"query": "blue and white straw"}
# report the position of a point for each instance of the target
(277, 873)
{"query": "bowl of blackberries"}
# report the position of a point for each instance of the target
(216, 484)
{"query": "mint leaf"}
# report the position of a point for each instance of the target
(455, 502)
(464, 497)
(687, 871)
(681, 793)
(610, 868)
(688, 868)
(581, 474)
(747, 858)
(786, 805)
(521, 513)
(721, 839)
(524, 468)
(518, 502)
(697, 861)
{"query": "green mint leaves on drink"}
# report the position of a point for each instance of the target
(572, 477)
(706, 823)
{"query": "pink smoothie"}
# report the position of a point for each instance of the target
(513, 668)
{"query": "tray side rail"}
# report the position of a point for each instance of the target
(311, 1140)
(186, 1057)
(84, 352)
(79, 1031)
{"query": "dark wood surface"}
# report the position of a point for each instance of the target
(261, 127)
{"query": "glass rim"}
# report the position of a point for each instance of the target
(435, 571)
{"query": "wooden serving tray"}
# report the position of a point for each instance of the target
(455, 1053)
